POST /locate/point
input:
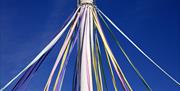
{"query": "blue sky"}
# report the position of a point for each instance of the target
(27, 26)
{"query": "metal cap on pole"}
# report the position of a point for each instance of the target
(86, 1)
(82, 2)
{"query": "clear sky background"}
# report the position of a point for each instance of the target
(27, 26)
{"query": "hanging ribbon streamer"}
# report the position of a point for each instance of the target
(110, 67)
(94, 60)
(122, 50)
(29, 73)
(60, 77)
(60, 54)
(77, 73)
(98, 53)
(62, 70)
(139, 49)
(121, 76)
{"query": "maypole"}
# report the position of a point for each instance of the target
(85, 31)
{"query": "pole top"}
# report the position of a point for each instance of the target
(86, 2)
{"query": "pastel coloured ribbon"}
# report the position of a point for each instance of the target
(121, 76)
(139, 49)
(60, 54)
(125, 54)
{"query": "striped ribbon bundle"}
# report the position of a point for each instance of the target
(85, 31)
